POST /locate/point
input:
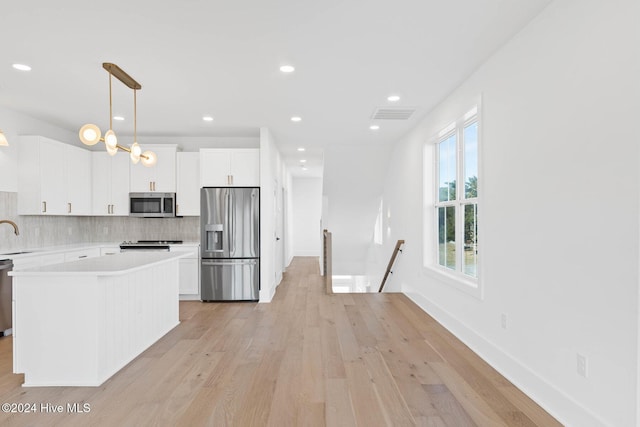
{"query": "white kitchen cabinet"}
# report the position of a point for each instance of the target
(238, 167)
(161, 177)
(78, 180)
(189, 271)
(110, 183)
(188, 184)
(53, 178)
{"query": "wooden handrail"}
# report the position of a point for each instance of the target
(326, 262)
(391, 261)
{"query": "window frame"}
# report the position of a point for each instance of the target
(456, 278)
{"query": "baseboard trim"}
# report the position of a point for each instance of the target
(554, 401)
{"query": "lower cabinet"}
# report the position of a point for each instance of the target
(189, 277)
(189, 272)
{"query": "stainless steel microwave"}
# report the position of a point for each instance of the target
(152, 205)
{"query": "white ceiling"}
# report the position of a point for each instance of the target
(222, 58)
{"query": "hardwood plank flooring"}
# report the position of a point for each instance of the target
(306, 359)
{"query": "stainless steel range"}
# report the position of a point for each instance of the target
(148, 245)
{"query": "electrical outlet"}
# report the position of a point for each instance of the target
(581, 367)
(503, 321)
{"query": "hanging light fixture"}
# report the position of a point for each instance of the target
(3, 139)
(90, 134)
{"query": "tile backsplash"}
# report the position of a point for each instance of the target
(43, 231)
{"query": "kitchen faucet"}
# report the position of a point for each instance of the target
(15, 226)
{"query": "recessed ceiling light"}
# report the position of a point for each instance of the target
(301, 149)
(207, 118)
(21, 67)
(303, 160)
(119, 118)
(287, 69)
(296, 119)
(374, 127)
(393, 98)
(304, 168)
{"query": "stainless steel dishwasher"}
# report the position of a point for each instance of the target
(6, 265)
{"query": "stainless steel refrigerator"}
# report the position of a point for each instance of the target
(230, 243)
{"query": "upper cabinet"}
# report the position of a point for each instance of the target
(188, 184)
(161, 177)
(53, 178)
(110, 183)
(230, 167)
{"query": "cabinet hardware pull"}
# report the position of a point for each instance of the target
(68, 207)
(82, 256)
(44, 207)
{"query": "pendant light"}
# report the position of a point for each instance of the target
(90, 134)
(3, 140)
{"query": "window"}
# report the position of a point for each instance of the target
(377, 231)
(457, 205)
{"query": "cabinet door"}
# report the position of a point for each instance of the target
(142, 178)
(189, 280)
(100, 183)
(53, 177)
(161, 177)
(78, 181)
(188, 184)
(165, 170)
(120, 164)
(245, 167)
(214, 167)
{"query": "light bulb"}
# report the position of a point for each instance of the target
(3, 140)
(149, 158)
(90, 134)
(111, 140)
(135, 152)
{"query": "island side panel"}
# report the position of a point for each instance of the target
(139, 309)
(55, 330)
(79, 330)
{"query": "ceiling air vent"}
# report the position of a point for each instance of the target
(386, 113)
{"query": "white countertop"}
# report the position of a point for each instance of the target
(111, 265)
(30, 252)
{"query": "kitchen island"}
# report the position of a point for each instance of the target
(78, 323)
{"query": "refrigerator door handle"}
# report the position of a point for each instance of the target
(232, 220)
(230, 262)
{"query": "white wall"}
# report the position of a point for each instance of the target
(273, 178)
(352, 185)
(306, 213)
(559, 211)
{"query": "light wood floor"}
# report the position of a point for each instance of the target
(305, 359)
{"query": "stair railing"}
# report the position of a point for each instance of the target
(327, 261)
(391, 261)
